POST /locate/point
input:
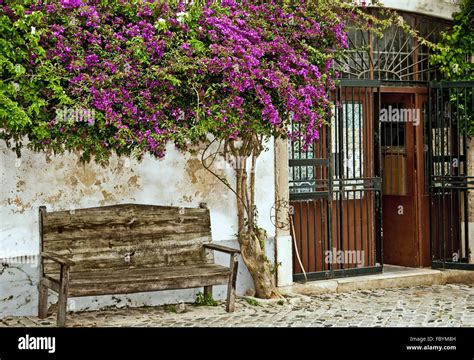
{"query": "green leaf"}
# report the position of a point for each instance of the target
(198, 46)
(175, 81)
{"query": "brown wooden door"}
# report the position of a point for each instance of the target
(398, 125)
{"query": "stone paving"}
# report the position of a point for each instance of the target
(438, 305)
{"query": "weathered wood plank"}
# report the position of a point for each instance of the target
(79, 230)
(133, 287)
(144, 274)
(208, 291)
(42, 300)
(222, 248)
(115, 249)
(62, 296)
(233, 265)
(138, 257)
(159, 251)
(61, 260)
(87, 245)
(171, 230)
(130, 215)
(51, 283)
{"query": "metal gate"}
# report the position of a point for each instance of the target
(451, 114)
(335, 189)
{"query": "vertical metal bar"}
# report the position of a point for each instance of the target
(429, 120)
(308, 235)
(365, 143)
(323, 238)
(361, 222)
(295, 260)
(377, 172)
(456, 173)
(436, 174)
(292, 149)
(354, 103)
(398, 167)
(315, 239)
(443, 207)
(453, 193)
(465, 172)
(330, 173)
(360, 125)
(390, 146)
(346, 143)
(346, 190)
(340, 223)
(301, 232)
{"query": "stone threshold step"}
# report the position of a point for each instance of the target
(397, 278)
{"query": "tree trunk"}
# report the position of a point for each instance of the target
(258, 265)
(252, 242)
(251, 238)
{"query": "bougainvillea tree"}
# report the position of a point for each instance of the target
(223, 76)
(266, 67)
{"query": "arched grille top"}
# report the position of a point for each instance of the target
(396, 56)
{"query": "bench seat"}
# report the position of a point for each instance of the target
(132, 280)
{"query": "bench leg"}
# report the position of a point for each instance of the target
(230, 304)
(42, 300)
(62, 302)
(62, 309)
(208, 290)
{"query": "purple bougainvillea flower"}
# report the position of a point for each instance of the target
(152, 74)
(69, 4)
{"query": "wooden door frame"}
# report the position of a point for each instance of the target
(421, 192)
(420, 195)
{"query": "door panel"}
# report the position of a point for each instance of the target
(398, 180)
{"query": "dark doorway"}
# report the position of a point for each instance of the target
(398, 119)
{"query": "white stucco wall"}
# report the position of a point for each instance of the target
(63, 182)
(438, 8)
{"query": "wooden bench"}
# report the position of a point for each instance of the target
(128, 248)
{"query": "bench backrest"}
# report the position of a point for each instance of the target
(121, 236)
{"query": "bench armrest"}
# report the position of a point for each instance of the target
(222, 248)
(57, 258)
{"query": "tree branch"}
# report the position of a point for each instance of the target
(221, 179)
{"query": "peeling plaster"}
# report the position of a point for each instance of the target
(204, 182)
(64, 183)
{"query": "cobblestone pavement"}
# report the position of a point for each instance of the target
(438, 305)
